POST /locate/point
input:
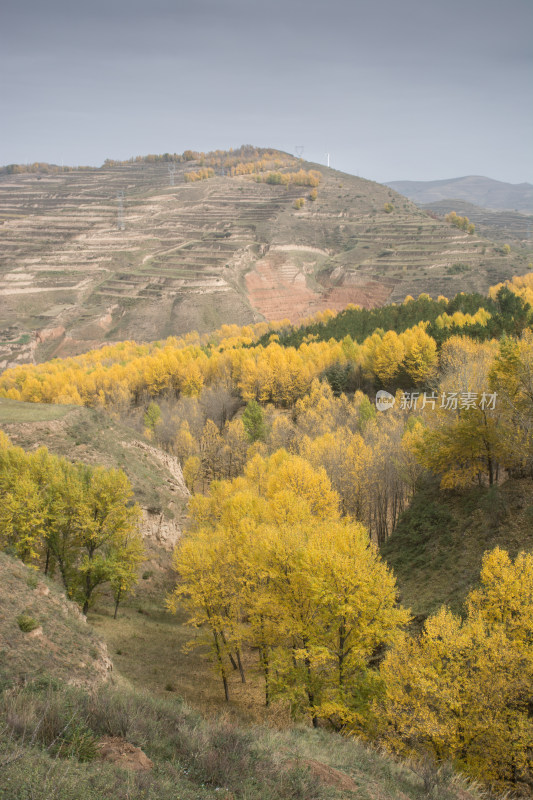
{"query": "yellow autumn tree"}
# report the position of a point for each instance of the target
(464, 440)
(385, 356)
(269, 564)
(463, 689)
(511, 377)
(421, 358)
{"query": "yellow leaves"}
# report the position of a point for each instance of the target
(272, 563)
(512, 377)
(300, 178)
(462, 689)
(465, 364)
(22, 517)
(184, 444)
(462, 449)
(75, 518)
(521, 285)
(199, 175)
(463, 223)
(420, 354)
(413, 350)
(316, 410)
(459, 320)
(191, 471)
(506, 594)
(385, 355)
(295, 475)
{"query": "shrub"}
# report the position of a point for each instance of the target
(27, 623)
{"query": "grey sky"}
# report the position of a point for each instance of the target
(393, 89)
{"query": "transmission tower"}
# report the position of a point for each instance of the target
(299, 150)
(171, 173)
(120, 211)
(327, 159)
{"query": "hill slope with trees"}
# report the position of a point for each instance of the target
(312, 456)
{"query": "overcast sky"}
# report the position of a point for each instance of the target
(392, 89)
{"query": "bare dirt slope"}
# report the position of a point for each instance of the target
(196, 255)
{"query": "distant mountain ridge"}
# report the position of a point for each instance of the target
(484, 192)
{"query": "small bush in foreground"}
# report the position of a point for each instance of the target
(27, 623)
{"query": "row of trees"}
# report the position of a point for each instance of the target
(199, 175)
(463, 223)
(71, 519)
(281, 367)
(40, 167)
(275, 374)
(509, 306)
(303, 177)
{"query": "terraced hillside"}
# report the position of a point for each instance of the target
(74, 272)
(514, 227)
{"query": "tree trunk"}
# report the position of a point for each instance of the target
(239, 662)
(310, 693)
(342, 642)
(221, 665)
(230, 656)
(263, 658)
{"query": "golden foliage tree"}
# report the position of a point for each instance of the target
(270, 564)
(463, 689)
(70, 517)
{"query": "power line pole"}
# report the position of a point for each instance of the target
(171, 173)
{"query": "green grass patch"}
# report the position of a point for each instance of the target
(15, 411)
(437, 547)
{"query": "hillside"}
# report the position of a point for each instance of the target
(42, 633)
(93, 437)
(192, 255)
(513, 227)
(437, 547)
(281, 496)
(476, 189)
(71, 727)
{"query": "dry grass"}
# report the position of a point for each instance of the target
(58, 641)
(147, 645)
